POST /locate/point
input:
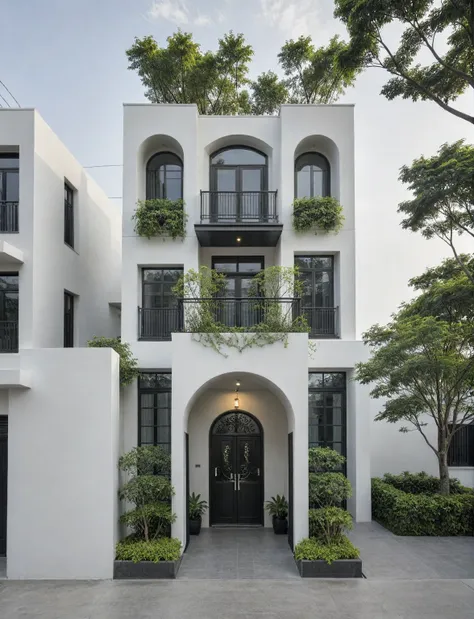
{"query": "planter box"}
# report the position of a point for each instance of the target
(343, 568)
(146, 569)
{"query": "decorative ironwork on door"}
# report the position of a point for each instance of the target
(236, 423)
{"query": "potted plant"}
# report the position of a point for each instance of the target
(196, 509)
(278, 510)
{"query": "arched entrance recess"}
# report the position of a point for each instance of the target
(236, 470)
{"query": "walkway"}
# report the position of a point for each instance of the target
(238, 554)
(389, 556)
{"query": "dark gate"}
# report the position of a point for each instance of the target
(3, 483)
(186, 443)
(290, 490)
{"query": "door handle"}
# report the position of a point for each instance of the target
(235, 482)
(238, 481)
(215, 471)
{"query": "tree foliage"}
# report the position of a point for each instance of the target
(128, 363)
(218, 82)
(440, 31)
(160, 217)
(443, 197)
(322, 213)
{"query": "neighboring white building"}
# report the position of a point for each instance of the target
(238, 177)
(60, 253)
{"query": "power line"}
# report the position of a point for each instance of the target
(14, 99)
(114, 197)
(106, 165)
(5, 101)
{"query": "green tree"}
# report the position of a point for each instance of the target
(218, 82)
(423, 367)
(440, 31)
(443, 197)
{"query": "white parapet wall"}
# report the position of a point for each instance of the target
(62, 465)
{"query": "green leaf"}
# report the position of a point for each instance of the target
(163, 549)
(323, 214)
(128, 363)
(311, 549)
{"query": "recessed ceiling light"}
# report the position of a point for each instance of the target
(238, 239)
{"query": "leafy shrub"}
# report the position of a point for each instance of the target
(329, 523)
(164, 549)
(128, 364)
(313, 550)
(324, 459)
(421, 483)
(149, 490)
(328, 489)
(196, 507)
(277, 507)
(160, 217)
(421, 514)
(318, 213)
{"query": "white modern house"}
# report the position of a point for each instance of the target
(60, 254)
(238, 177)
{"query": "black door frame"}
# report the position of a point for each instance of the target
(262, 452)
(290, 491)
(3, 484)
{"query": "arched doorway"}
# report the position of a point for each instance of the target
(236, 469)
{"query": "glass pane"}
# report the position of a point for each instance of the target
(147, 416)
(303, 262)
(251, 180)
(303, 183)
(163, 434)
(152, 275)
(10, 160)
(316, 398)
(8, 282)
(171, 275)
(164, 159)
(313, 434)
(318, 181)
(250, 267)
(149, 380)
(225, 267)
(230, 287)
(173, 188)
(164, 399)
(163, 417)
(147, 435)
(147, 400)
(335, 379)
(322, 262)
(226, 180)
(315, 380)
(13, 186)
(238, 156)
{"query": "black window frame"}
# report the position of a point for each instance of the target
(154, 391)
(151, 192)
(461, 449)
(9, 208)
(321, 162)
(329, 389)
(69, 214)
(162, 283)
(9, 329)
(214, 167)
(314, 271)
(68, 318)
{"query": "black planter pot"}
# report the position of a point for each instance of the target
(195, 526)
(146, 569)
(280, 525)
(342, 568)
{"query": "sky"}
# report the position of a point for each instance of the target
(67, 59)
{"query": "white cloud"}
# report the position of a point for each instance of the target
(177, 12)
(297, 17)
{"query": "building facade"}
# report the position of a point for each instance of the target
(238, 177)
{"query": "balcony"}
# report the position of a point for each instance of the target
(158, 324)
(8, 336)
(250, 216)
(8, 216)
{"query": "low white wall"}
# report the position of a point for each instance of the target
(465, 474)
(269, 411)
(62, 466)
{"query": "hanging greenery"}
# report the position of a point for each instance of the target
(269, 311)
(319, 214)
(160, 217)
(128, 363)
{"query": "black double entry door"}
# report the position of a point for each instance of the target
(236, 470)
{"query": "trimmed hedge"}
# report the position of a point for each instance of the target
(311, 549)
(162, 549)
(422, 483)
(421, 514)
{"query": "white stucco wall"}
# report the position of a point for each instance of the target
(266, 407)
(91, 270)
(63, 447)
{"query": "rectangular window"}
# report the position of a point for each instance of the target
(327, 410)
(69, 215)
(160, 315)
(154, 409)
(9, 191)
(9, 296)
(461, 450)
(317, 301)
(68, 320)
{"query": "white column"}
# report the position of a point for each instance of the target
(178, 464)
(358, 449)
(300, 478)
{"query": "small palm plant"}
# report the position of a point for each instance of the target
(277, 507)
(196, 509)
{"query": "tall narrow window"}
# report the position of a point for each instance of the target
(9, 192)
(327, 410)
(154, 409)
(160, 315)
(68, 320)
(8, 312)
(164, 177)
(312, 176)
(317, 275)
(461, 450)
(69, 215)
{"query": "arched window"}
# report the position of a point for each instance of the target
(312, 176)
(164, 177)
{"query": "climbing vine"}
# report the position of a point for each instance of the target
(319, 214)
(269, 313)
(160, 217)
(128, 363)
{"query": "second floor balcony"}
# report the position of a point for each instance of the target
(238, 219)
(8, 336)
(244, 314)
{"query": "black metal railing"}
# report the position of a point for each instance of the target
(8, 216)
(239, 312)
(8, 336)
(159, 323)
(246, 207)
(322, 321)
